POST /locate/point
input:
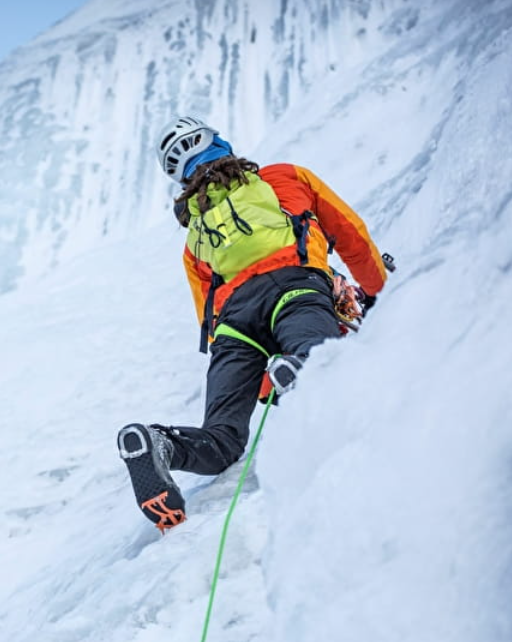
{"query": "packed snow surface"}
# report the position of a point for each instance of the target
(380, 506)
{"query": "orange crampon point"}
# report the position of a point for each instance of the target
(169, 517)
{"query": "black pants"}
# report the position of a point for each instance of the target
(236, 367)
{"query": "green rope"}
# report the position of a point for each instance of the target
(223, 536)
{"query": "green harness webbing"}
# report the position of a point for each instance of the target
(226, 330)
(286, 298)
(231, 509)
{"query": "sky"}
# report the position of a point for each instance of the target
(22, 20)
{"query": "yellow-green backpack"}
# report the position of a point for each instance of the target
(245, 224)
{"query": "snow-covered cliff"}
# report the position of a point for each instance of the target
(80, 106)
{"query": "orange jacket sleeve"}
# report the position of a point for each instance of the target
(298, 189)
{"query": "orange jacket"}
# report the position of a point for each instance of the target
(298, 190)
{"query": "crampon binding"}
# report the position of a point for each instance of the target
(169, 517)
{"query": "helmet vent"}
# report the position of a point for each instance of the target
(167, 139)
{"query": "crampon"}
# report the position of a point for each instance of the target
(169, 517)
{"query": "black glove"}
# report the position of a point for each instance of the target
(366, 301)
(369, 302)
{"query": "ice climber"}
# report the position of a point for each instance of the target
(256, 257)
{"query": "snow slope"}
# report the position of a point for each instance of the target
(385, 500)
(79, 562)
(403, 466)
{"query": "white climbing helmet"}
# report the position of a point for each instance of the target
(179, 141)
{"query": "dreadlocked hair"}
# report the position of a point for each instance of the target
(220, 172)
